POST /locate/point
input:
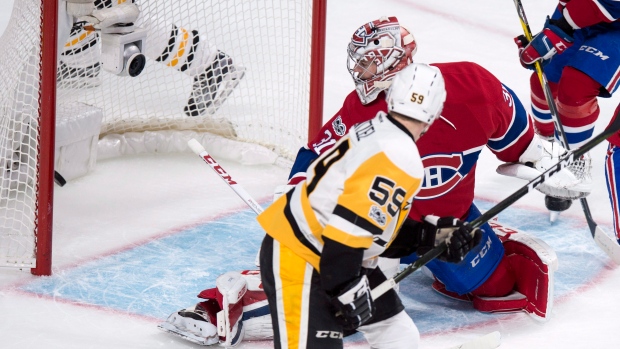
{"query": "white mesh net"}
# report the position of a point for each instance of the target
(235, 68)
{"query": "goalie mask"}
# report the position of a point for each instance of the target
(377, 51)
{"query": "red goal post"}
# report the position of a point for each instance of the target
(281, 44)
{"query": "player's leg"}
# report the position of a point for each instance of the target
(612, 175)
(300, 310)
(591, 71)
(543, 122)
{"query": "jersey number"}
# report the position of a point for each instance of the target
(417, 98)
(383, 192)
(325, 161)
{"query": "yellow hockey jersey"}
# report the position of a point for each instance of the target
(358, 193)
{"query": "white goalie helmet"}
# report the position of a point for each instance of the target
(418, 92)
(377, 51)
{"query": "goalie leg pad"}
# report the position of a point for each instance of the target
(243, 307)
(530, 263)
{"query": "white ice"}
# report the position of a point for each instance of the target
(129, 201)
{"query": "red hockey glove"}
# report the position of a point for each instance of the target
(522, 42)
(555, 37)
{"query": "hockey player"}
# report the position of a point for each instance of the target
(579, 48)
(214, 74)
(495, 276)
(337, 221)
(514, 274)
(319, 258)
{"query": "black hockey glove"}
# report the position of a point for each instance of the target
(354, 305)
(460, 238)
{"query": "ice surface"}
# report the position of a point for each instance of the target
(142, 235)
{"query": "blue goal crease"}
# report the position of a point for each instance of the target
(165, 275)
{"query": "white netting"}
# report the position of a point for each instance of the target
(234, 68)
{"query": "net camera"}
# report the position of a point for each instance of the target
(122, 53)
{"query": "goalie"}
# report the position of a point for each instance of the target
(498, 276)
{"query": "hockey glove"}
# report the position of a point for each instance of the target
(522, 42)
(354, 305)
(555, 37)
(460, 238)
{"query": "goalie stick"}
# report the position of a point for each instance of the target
(611, 248)
(244, 195)
(604, 241)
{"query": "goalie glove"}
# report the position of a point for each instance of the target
(459, 238)
(572, 182)
(354, 304)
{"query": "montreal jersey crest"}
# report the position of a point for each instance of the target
(442, 172)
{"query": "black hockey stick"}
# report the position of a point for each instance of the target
(564, 160)
(600, 237)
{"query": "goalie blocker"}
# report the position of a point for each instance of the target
(237, 309)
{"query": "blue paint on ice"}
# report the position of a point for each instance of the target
(165, 275)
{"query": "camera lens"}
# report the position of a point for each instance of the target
(136, 65)
(134, 60)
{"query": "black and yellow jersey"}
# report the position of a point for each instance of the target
(358, 193)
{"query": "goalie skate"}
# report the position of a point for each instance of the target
(191, 324)
(211, 88)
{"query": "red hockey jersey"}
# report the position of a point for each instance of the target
(479, 111)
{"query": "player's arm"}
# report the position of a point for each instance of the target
(557, 34)
(420, 237)
(585, 13)
(509, 126)
(325, 139)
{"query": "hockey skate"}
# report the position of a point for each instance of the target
(211, 88)
(192, 324)
(75, 78)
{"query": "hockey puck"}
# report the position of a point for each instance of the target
(557, 204)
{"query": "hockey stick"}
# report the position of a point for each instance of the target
(604, 241)
(564, 160)
(244, 195)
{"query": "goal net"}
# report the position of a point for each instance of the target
(226, 72)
